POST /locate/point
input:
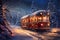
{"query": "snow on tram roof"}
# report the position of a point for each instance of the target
(34, 13)
(39, 11)
(24, 16)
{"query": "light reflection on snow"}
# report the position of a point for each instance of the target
(55, 30)
(24, 33)
(35, 36)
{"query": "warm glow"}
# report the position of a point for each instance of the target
(31, 19)
(41, 24)
(52, 34)
(47, 19)
(40, 18)
(41, 13)
(23, 20)
(34, 18)
(48, 24)
(44, 18)
(54, 30)
(48, 14)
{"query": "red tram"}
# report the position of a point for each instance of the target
(37, 20)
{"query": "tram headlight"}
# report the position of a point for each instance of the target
(41, 24)
(41, 13)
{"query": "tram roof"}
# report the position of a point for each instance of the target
(25, 16)
(39, 12)
(34, 13)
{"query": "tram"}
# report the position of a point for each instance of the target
(37, 20)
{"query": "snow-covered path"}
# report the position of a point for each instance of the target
(22, 34)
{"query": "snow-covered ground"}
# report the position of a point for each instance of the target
(22, 34)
